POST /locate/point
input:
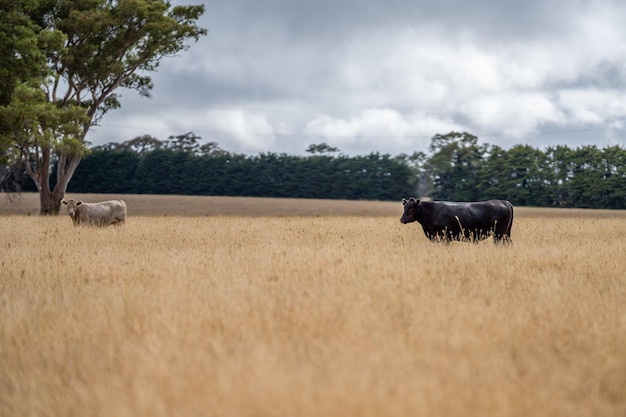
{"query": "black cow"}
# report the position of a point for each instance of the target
(470, 222)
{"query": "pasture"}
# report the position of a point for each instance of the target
(260, 307)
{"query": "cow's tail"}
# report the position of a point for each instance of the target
(125, 211)
(508, 227)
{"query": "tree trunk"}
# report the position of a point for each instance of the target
(49, 204)
(46, 204)
(51, 200)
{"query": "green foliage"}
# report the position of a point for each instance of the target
(22, 46)
(456, 160)
(108, 170)
(167, 169)
(321, 148)
(587, 176)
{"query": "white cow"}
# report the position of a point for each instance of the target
(105, 213)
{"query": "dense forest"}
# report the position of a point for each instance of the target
(456, 167)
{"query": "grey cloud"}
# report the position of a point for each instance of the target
(283, 66)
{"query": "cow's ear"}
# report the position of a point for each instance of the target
(78, 203)
(404, 201)
(64, 201)
(417, 202)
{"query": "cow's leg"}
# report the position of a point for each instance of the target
(436, 238)
(439, 238)
(499, 238)
(502, 233)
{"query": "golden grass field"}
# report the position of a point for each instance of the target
(208, 306)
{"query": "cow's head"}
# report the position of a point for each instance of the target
(410, 210)
(72, 205)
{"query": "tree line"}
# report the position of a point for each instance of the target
(180, 165)
(456, 167)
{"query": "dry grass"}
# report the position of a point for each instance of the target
(158, 205)
(311, 316)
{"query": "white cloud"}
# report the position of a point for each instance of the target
(379, 125)
(249, 130)
(512, 114)
(120, 127)
(589, 105)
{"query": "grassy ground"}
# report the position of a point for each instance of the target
(156, 205)
(252, 314)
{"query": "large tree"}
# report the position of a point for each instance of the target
(455, 166)
(75, 55)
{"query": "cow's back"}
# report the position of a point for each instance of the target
(116, 210)
(486, 215)
(104, 213)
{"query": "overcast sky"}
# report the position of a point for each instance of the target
(370, 75)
